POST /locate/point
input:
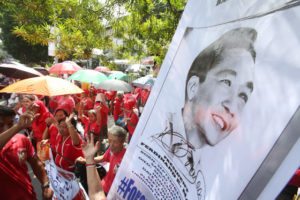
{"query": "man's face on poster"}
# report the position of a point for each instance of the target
(217, 105)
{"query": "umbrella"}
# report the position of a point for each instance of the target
(18, 70)
(42, 70)
(67, 67)
(88, 76)
(143, 82)
(118, 76)
(114, 85)
(45, 85)
(102, 69)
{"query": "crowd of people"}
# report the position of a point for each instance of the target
(81, 131)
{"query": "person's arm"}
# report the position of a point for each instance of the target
(38, 169)
(49, 121)
(73, 133)
(94, 184)
(24, 122)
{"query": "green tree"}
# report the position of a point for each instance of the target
(148, 28)
(76, 25)
(16, 46)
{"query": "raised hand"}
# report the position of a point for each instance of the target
(89, 149)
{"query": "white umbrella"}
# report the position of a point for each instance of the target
(114, 85)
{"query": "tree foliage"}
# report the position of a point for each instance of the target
(78, 26)
(149, 26)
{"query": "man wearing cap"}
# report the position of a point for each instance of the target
(15, 151)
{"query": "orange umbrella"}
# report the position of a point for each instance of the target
(45, 85)
(67, 67)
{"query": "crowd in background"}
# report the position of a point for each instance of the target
(64, 124)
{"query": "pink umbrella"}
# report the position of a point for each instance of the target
(102, 69)
(67, 67)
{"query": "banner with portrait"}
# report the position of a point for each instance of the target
(221, 118)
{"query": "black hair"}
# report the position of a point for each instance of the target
(207, 59)
(64, 111)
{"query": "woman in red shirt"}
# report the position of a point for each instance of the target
(67, 145)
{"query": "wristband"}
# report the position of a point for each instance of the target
(90, 164)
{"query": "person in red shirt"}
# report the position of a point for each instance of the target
(67, 145)
(91, 123)
(131, 118)
(114, 155)
(100, 104)
(15, 151)
(51, 131)
(86, 103)
(110, 97)
(39, 124)
(118, 105)
(144, 96)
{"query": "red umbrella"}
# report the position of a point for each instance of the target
(18, 70)
(67, 67)
(102, 69)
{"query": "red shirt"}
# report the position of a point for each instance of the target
(114, 163)
(53, 132)
(90, 127)
(103, 112)
(144, 96)
(66, 153)
(15, 182)
(39, 124)
(132, 122)
(117, 108)
(87, 103)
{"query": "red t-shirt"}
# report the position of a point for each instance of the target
(15, 182)
(103, 112)
(144, 96)
(87, 103)
(117, 108)
(131, 124)
(39, 124)
(90, 127)
(53, 132)
(66, 153)
(114, 163)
